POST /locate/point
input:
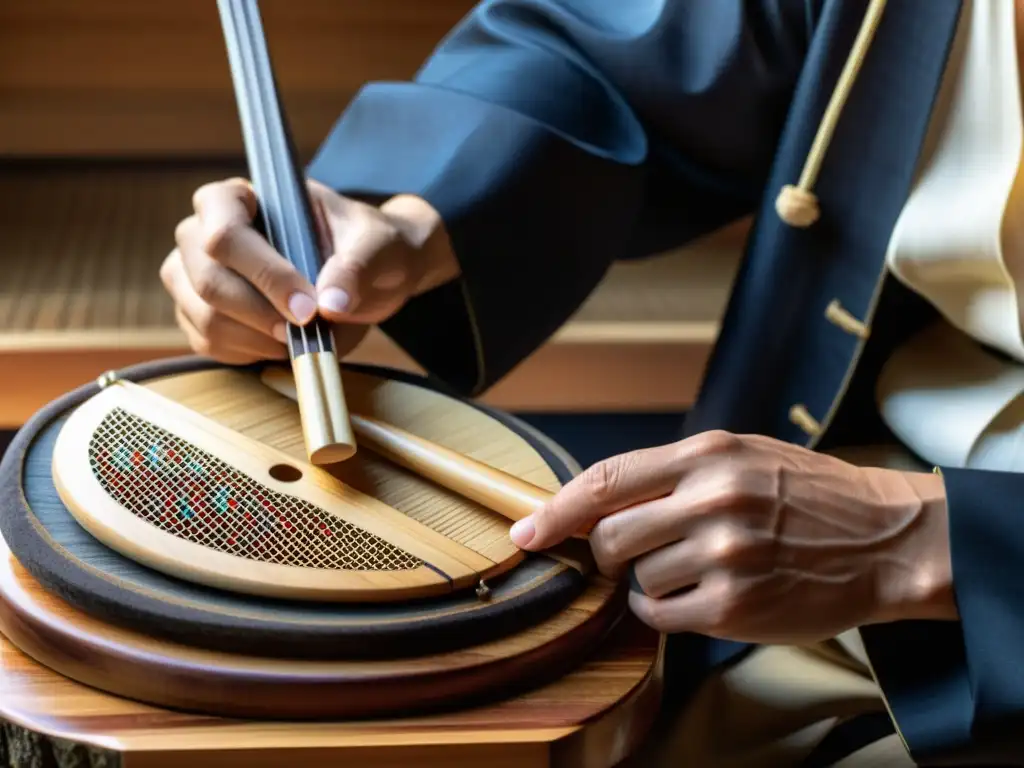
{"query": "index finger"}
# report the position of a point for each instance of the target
(616, 483)
(226, 211)
(603, 489)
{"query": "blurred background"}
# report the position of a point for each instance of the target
(113, 111)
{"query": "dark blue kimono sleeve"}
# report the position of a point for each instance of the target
(530, 130)
(956, 689)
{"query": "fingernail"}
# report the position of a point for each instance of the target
(281, 333)
(334, 300)
(302, 307)
(522, 532)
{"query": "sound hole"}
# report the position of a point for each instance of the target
(285, 473)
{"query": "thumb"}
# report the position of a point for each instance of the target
(605, 488)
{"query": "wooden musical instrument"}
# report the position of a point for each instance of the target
(529, 623)
(512, 667)
(288, 218)
(52, 543)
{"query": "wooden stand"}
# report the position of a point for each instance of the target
(593, 718)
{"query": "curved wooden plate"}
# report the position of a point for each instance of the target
(429, 563)
(135, 666)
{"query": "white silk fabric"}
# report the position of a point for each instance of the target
(959, 243)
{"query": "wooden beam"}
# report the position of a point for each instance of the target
(131, 78)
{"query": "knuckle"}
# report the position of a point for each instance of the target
(206, 323)
(373, 236)
(270, 279)
(722, 614)
(607, 542)
(728, 544)
(601, 479)
(387, 233)
(218, 243)
(733, 491)
(655, 614)
(202, 346)
(168, 268)
(731, 487)
(238, 182)
(717, 441)
(214, 329)
(716, 624)
(184, 230)
(204, 191)
(208, 285)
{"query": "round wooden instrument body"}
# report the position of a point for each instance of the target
(97, 617)
(68, 561)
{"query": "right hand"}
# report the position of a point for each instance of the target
(233, 292)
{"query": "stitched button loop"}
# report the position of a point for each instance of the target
(836, 314)
(800, 416)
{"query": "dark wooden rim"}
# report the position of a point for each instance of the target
(162, 674)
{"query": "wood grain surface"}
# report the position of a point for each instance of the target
(352, 548)
(592, 718)
(127, 78)
(84, 244)
(241, 402)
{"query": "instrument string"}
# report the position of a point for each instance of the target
(283, 199)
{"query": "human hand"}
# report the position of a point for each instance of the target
(748, 538)
(233, 292)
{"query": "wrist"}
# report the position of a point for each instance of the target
(918, 578)
(422, 227)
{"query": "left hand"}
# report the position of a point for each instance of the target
(749, 538)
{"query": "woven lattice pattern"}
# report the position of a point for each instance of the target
(191, 494)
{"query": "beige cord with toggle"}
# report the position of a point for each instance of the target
(798, 205)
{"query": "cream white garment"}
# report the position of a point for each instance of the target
(954, 403)
(959, 243)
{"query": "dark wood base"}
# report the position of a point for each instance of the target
(594, 717)
(130, 664)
